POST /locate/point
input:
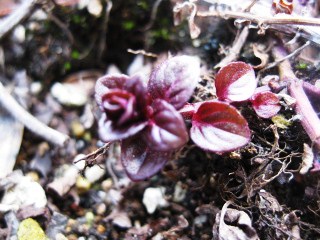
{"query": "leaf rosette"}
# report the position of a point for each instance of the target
(123, 102)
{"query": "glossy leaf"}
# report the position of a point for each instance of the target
(265, 104)
(219, 127)
(166, 129)
(235, 82)
(175, 80)
(139, 161)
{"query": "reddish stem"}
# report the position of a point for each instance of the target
(303, 107)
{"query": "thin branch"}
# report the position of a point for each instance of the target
(294, 53)
(142, 52)
(33, 124)
(153, 15)
(61, 25)
(25, 9)
(102, 42)
(235, 49)
(263, 20)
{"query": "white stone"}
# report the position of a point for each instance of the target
(25, 192)
(154, 198)
(69, 94)
(94, 173)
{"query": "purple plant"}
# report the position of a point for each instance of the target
(145, 118)
(217, 126)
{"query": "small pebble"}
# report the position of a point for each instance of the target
(33, 176)
(30, 229)
(154, 198)
(35, 88)
(72, 237)
(90, 218)
(200, 220)
(107, 184)
(179, 192)
(94, 173)
(82, 184)
(77, 129)
(60, 236)
(101, 209)
(101, 229)
(19, 33)
(79, 164)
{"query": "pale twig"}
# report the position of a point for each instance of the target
(143, 52)
(263, 20)
(102, 42)
(153, 15)
(235, 49)
(33, 124)
(294, 53)
(25, 9)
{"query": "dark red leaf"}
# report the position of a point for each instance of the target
(265, 104)
(108, 132)
(166, 130)
(219, 127)
(235, 82)
(174, 80)
(123, 101)
(189, 109)
(139, 161)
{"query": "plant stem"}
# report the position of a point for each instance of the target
(33, 124)
(303, 107)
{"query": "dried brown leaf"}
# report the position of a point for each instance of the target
(232, 224)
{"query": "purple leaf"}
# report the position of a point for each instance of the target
(139, 161)
(108, 132)
(166, 129)
(123, 101)
(235, 82)
(219, 127)
(265, 104)
(187, 111)
(175, 80)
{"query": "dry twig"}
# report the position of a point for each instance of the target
(33, 124)
(263, 20)
(26, 9)
(235, 49)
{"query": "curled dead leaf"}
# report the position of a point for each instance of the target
(307, 159)
(263, 56)
(187, 10)
(232, 224)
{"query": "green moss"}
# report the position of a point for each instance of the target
(128, 25)
(67, 66)
(280, 121)
(301, 66)
(75, 54)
